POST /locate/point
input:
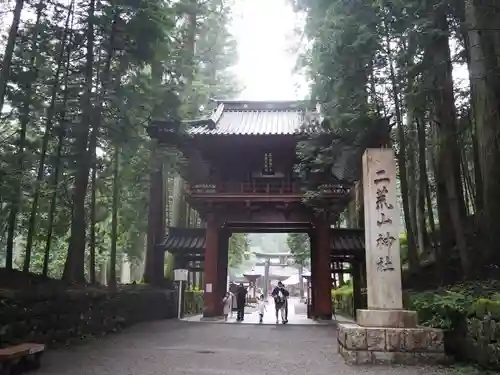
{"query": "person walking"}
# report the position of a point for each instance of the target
(261, 307)
(241, 297)
(226, 302)
(280, 294)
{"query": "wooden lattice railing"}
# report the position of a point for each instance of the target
(260, 187)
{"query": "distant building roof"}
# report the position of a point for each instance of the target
(271, 255)
(233, 117)
(185, 240)
(347, 239)
(192, 241)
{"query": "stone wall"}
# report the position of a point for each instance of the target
(481, 343)
(62, 316)
(375, 345)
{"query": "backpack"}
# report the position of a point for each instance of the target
(280, 298)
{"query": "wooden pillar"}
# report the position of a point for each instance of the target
(212, 305)
(356, 284)
(155, 256)
(323, 307)
(222, 265)
(314, 274)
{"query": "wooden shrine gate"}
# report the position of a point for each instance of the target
(240, 177)
(346, 246)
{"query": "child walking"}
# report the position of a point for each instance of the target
(226, 302)
(262, 307)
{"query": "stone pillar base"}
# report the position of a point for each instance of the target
(387, 318)
(361, 345)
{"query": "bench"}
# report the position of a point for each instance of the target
(20, 358)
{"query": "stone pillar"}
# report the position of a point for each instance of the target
(155, 256)
(266, 278)
(211, 303)
(382, 230)
(323, 279)
(385, 332)
(301, 282)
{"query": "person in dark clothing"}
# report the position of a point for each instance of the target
(241, 296)
(280, 295)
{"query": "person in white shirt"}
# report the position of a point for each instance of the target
(227, 304)
(261, 307)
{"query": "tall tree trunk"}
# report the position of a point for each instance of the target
(484, 49)
(178, 203)
(92, 245)
(446, 120)
(46, 138)
(413, 262)
(74, 270)
(179, 209)
(478, 179)
(478, 183)
(428, 167)
(423, 238)
(446, 231)
(412, 177)
(23, 127)
(60, 144)
(422, 179)
(114, 218)
(9, 51)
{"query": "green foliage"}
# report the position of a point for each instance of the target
(461, 369)
(238, 249)
(169, 266)
(300, 246)
(486, 308)
(447, 307)
(343, 300)
(344, 290)
(440, 310)
(193, 302)
(137, 73)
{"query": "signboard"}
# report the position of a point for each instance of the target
(180, 275)
(208, 288)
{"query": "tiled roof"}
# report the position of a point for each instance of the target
(185, 240)
(192, 240)
(346, 240)
(256, 118)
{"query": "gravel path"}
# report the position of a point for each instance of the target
(184, 348)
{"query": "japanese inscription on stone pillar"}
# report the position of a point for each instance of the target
(382, 229)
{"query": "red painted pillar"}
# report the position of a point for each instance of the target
(323, 307)
(314, 273)
(211, 306)
(222, 266)
(155, 256)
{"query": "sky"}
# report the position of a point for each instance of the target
(264, 32)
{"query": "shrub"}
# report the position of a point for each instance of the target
(446, 308)
(193, 302)
(344, 290)
(484, 308)
(342, 299)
